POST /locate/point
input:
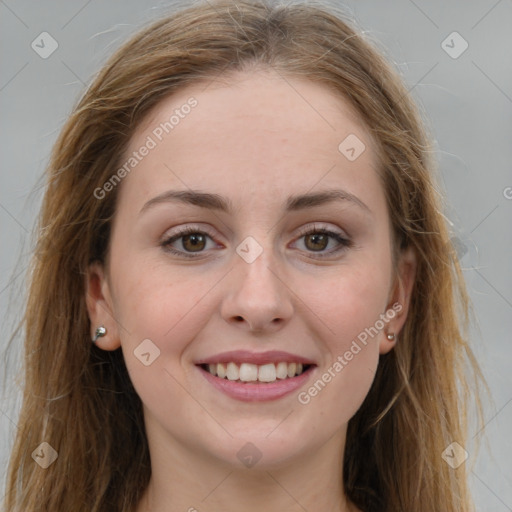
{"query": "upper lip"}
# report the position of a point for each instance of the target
(259, 358)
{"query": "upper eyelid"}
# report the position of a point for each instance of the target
(186, 230)
(304, 230)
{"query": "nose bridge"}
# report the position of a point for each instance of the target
(258, 266)
(258, 293)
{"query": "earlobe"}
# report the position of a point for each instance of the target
(104, 332)
(399, 302)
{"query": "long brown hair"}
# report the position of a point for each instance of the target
(80, 399)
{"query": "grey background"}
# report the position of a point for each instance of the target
(467, 103)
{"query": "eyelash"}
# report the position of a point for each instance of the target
(345, 243)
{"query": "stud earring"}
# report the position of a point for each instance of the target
(390, 337)
(100, 332)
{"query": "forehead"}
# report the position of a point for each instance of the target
(255, 137)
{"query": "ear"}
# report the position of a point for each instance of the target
(99, 307)
(400, 298)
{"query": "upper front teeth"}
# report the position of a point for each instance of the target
(247, 372)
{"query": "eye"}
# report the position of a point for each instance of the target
(193, 242)
(318, 240)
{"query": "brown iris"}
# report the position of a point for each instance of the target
(320, 241)
(193, 242)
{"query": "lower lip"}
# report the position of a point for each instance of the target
(257, 391)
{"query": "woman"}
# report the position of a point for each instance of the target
(242, 216)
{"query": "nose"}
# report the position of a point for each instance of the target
(258, 299)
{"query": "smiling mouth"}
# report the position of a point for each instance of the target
(247, 372)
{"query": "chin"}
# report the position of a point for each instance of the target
(267, 446)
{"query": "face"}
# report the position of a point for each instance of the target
(254, 279)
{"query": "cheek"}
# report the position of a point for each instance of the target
(351, 353)
(351, 307)
(154, 303)
(159, 315)
(351, 301)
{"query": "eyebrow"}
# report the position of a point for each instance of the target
(222, 204)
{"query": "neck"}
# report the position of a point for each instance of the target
(185, 480)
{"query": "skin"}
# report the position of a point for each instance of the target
(255, 139)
